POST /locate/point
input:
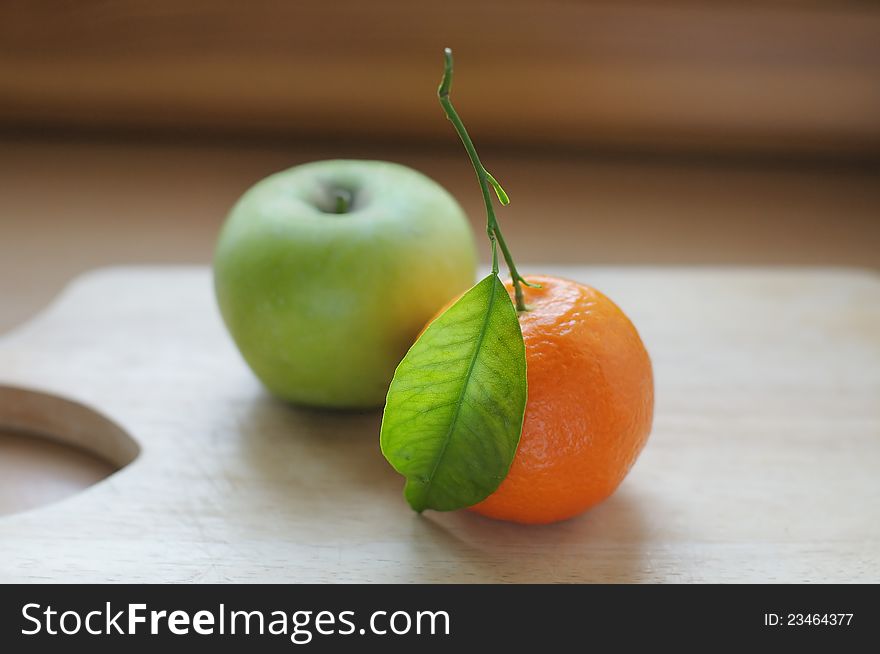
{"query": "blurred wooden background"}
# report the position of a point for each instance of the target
(681, 132)
(799, 77)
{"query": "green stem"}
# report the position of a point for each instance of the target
(486, 180)
(342, 201)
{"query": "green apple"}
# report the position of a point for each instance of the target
(326, 272)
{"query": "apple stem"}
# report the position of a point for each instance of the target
(496, 238)
(342, 200)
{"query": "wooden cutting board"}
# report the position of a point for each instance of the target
(764, 462)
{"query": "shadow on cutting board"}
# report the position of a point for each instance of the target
(328, 481)
(603, 545)
(311, 455)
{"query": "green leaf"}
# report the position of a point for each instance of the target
(499, 191)
(455, 407)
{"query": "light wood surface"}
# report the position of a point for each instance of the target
(793, 77)
(762, 465)
(35, 471)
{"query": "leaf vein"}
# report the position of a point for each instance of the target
(484, 328)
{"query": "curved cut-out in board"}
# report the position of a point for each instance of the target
(52, 447)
